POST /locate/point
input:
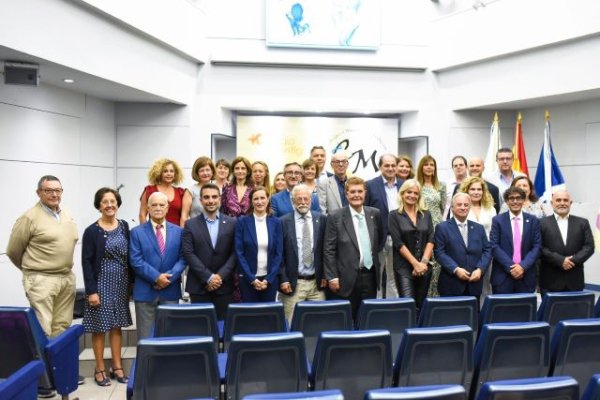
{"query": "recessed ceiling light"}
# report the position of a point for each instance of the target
(68, 80)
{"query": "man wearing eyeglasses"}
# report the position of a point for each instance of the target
(331, 191)
(505, 176)
(41, 245)
(281, 203)
(516, 245)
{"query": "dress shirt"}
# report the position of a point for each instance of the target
(512, 222)
(563, 226)
(213, 228)
(391, 193)
(304, 270)
(53, 214)
(164, 228)
(354, 215)
(262, 239)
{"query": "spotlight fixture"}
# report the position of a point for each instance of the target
(68, 80)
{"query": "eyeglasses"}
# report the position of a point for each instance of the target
(339, 162)
(515, 198)
(295, 173)
(52, 191)
(505, 158)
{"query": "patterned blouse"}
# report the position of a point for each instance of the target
(230, 204)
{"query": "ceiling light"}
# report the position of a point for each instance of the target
(68, 80)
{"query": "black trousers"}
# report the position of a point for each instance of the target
(415, 287)
(220, 301)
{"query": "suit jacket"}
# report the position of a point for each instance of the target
(376, 197)
(341, 254)
(329, 195)
(580, 245)
(204, 259)
(289, 267)
(147, 262)
(246, 248)
(451, 252)
(502, 248)
(281, 203)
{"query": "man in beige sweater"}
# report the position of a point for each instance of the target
(41, 245)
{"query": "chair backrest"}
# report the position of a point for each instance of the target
(394, 315)
(429, 392)
(353, 362)
(575, 349)
(22, 384)
(198, 319)
(451, 310)
(592, 390)
(333, 394)
(552, 388)
(22, 340)
(558, 306)
(597, 308)
(435, 356)
(313, 317)
(511, 351)
(176, 368)
(251, 318)
(266, 363)
(514, 307)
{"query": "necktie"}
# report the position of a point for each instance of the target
(464, 233)
(516, 241)
(160, 239)
(365, 241)
(307, 254)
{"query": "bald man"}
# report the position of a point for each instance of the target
(567, 243)
(476, 168)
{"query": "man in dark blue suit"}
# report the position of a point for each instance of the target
(301, 274)
(281, 203)
(155, 257)
(208, 248)
(382, 193)
(463, 251)
(514, 268)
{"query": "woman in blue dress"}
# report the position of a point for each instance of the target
(106, 274)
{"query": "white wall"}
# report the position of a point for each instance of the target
(43, 131)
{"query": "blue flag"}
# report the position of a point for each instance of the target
(548, 176)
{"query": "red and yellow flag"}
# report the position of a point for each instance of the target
(520, 161)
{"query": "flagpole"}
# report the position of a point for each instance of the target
(547, 195)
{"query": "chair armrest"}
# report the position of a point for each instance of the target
(62, 354)
(22, 384)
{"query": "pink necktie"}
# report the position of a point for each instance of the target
(516, 241)
(160, 239)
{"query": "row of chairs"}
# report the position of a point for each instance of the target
(356, 361)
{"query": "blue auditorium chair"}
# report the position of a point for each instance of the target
(394, 315)
(514, 307)
(451, 310)
(552, 388)
(22, 340)
(430, 392)
(435, 356)
(333, 394)
(174, 368)
(250, 318)
(265, 363)
(198, 319)
(22, 384)
(313, 317)
(353, 362)
(592, 390)
(597, 308)
(511, 351)
(558, 306)
(575, 349)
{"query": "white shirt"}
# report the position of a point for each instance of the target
(262, 239)
(391, 194)
(163, 230)
(303, 270)
(563, 226)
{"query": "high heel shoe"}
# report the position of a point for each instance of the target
(120, 379)
(102, 382)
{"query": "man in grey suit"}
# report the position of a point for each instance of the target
(352, 243)
(567, 243)
(301, 273)
(331, 190)
(208, 248)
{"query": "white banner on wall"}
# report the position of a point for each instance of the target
(279, 140)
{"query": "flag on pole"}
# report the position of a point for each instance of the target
(548, 176)
(491, 166)
(520, 162)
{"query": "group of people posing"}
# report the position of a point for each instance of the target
(311, 235)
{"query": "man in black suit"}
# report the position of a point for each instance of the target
(301, 274)
(207, 245)
(567, 243)
(382, 193)
(352, 238)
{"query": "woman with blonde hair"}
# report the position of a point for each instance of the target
(404, 169)
(163, 176)
(260, 175)
(482, 203)
(434, 195)
(411, 229)
(279, 182)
